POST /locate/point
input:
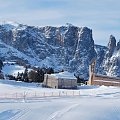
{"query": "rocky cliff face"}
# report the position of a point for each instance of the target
(84, 52)
(66, 47)
(111, 46)
(110, 63)
(101, 52)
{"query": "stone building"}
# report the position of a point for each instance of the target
(95, 79)
(60, 80)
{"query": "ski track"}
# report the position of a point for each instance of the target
(20, 115)
(56, 115)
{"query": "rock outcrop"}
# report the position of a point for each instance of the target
(111, 62)
(111, 46)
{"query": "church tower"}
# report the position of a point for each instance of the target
(91, 71)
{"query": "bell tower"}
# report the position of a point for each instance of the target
(91, 71)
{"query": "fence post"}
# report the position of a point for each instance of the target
(16, 95)
(24, 96)
(59, 93)
(5, 95)
(35, 94)
(73, 93)
(44, 94)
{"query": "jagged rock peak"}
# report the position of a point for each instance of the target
(85, 31)
(112, 43)
(69, 25)
(111, 46)
(11, 25)
(85, 34)
(118, 45)
(85, 39)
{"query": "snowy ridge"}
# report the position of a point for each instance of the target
(9, 22)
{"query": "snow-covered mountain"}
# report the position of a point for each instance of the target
(111, 62)
(66, 47)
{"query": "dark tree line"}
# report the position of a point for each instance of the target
(34, 75)
(80, 80)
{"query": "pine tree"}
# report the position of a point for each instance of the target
(1, 64)
(32, 75)
(25, 75)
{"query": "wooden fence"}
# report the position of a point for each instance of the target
(29, 95)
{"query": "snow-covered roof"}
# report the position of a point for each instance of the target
(64, 75)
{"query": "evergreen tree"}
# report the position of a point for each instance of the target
(18, 76)
(32, 75)
(40, 75)
(36, 76)
(50, 71)
(1, 64)
(25, 75)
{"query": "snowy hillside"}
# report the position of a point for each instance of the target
(11, 68)
(93, 103)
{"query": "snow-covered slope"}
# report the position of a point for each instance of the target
(12, 69)
(94, 103)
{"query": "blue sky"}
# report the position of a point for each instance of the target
(102, 16)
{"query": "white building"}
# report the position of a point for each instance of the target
(60, 80)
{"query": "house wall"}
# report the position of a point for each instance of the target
(105, 80)
(53, 82)
(50, 81)
(67, 83)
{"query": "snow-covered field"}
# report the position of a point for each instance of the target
(11, 68)
(93, 103)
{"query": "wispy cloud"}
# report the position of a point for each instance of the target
(101, 16)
